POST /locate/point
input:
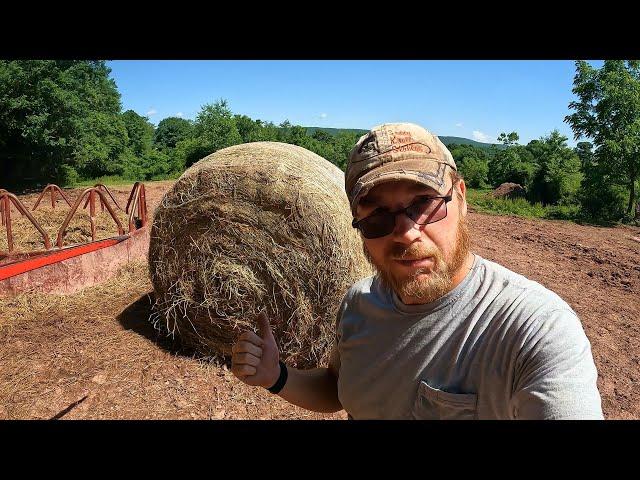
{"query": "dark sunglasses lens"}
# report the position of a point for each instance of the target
(427, 211)
(377, 226)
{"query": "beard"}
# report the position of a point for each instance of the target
(438, 280)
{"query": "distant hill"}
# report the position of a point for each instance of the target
(446, 140)
(466, 141)
(336, 131)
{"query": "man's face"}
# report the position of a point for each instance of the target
(420, 262)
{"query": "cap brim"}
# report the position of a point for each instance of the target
(430, 173)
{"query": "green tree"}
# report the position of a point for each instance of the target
(343, 144)
(557, 176)
(140, 132)
(600, 196)
(170, 131)
(608, 112)
(188, 152)
(214, 129)
(322, 136)
(156, 164)
(475, 172)
(584, 150)
(248, 128)
(103, 146)
(508, 138)
(472, 163)
(269, 132)
(57, 118)
(515, 164)
(294, 134)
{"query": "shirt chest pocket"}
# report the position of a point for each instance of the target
(434, 404)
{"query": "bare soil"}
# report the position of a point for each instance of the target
(93, 354)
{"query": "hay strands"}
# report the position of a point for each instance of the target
(262, 226)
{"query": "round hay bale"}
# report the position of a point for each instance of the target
(261, 226)
(509, 190)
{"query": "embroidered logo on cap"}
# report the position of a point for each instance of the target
(369, 147)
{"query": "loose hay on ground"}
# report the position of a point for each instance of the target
(256, 227)
(92, 344)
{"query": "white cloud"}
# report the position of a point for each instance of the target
(180, 114)
(152, 112)
(481, 137)
(323, 115)
(458, 124)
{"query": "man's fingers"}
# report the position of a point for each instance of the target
(246, 347)
(249, 336)
(248, 350)
(243, 370)
(245, 359)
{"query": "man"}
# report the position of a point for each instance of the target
(438, 333)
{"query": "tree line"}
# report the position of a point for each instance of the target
(596, 180)
(62, 122)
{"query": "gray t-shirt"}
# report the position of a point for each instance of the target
(498, 346)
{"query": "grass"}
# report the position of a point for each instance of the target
(118, 180)
(107, 180)
(483, 202)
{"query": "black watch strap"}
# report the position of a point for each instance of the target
(282, 379)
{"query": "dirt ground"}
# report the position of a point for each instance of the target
(94, 355)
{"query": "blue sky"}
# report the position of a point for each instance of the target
(475, 99)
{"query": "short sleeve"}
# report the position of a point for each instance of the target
(555, 377)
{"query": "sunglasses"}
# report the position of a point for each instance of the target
(422, 211)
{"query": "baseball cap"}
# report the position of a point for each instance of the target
(396, 151)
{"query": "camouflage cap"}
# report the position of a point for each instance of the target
(396, 151)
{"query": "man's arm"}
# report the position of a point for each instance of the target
(315, 389)
(555, 374)
(255, 361)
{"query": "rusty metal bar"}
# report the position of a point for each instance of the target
(133, 192)
(53, 189)
(137, 206)
(103, 187)
(133, 205)
(100, 185)
(7, 221)
(61, 192)
(101, 204)
(5, 199)
(92, 213)
(75, 206)
(2, 190)
(143, 203)
(40, 198)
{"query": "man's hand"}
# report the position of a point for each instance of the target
(255, 358)
(254, 361)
